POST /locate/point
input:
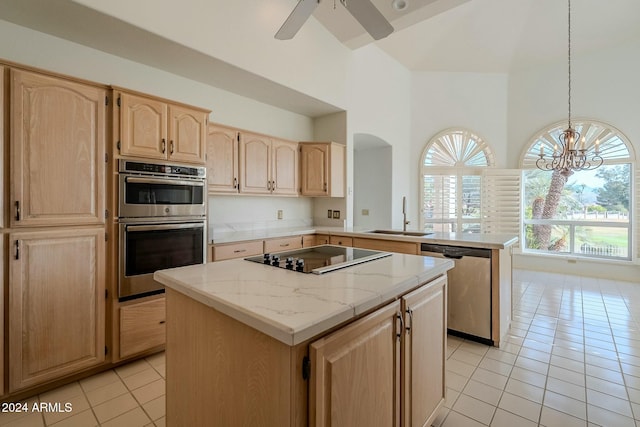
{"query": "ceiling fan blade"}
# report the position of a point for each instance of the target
(369, 17)
(298, 17)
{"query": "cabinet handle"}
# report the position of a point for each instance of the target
(17, 210)
(409, 325)
(17, 249)
(239, 251)
(325, 186)
(162, 322)
(171, 146)
(273, 185)
(235, 182)
(401, 319)
(284, 245)
(269, 185)
(164, 145)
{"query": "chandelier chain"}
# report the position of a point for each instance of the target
(569, 59)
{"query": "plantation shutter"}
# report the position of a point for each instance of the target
(501, 212)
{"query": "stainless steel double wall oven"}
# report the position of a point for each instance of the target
(162, 222)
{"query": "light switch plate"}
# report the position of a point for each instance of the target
(336, 214)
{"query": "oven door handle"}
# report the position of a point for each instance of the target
(157, 227)
(137, 180)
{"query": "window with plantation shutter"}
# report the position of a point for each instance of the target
(453, 164)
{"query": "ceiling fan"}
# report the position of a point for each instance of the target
(363, 10)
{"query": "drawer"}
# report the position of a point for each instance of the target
(341, 240)
(308, 240)
(322, 239)
(387, 245)
(236, 250)
(142, 327)
(282, 244)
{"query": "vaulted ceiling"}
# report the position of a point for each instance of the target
(496, 36)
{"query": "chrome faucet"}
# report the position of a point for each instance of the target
(404, 213)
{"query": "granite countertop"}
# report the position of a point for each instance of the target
(477, 240)
(293, 307)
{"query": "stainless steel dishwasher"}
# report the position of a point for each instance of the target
(469, 290)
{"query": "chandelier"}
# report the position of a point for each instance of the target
(571, 152)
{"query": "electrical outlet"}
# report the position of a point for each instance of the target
(365, 212)
(329, 213)
(279, 213)
(336, 214)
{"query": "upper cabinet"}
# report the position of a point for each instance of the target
(58, 138)
(154, 129)
(222, 159)
(250, 163)
(322, 169)
(3, 136)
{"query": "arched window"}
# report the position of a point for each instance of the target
(451, 170)
(590, 214)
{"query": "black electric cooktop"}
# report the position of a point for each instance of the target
(318, 259)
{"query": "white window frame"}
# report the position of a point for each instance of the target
(612, 155)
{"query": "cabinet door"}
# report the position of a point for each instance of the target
(142, 327)
(255, 164)
(424, 354)
(222, 159)
(56, 304)
(187, 134)
(358, 363)
(314, 167)
(3, 109)
(143, 127)
(58, 148)
(284, 175)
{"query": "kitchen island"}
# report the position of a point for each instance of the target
(248, 344)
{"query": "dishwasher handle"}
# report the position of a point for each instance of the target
(446, 255)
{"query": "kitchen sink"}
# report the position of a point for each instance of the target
(400, 233)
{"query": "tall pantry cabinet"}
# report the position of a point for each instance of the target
(56, 243)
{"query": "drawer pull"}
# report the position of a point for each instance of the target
(162, 322)
(284, 245)
(239, 251)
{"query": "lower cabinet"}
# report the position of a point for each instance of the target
(341, 240)
(385, 369)
(56, 304)
(142, 327)
(387, 245)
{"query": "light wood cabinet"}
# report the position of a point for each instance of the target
(322, 169)
(375, 371)
(222, 159)
(394, 369)
(3, 141)
(359, 363)
(142, 327)
(309, 240)
(282, 244)
(322, 239)
(424, 353)
(56, 304)
(268, 166)
(57, 167)
(224, 251)
(341, 240)
(151, 128)
(387, 245)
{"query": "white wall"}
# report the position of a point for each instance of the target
(444, 100)
(241, 33)
(373, 187)
(379, 96)
(605, 88)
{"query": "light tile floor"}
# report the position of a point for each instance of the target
(128, 396)
(572, 358)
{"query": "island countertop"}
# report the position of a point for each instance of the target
(293, 307)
